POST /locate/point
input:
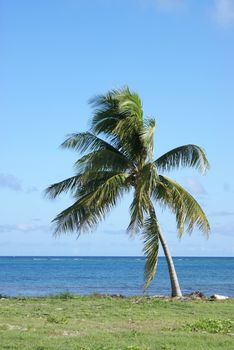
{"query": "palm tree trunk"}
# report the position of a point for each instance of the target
(175, 286)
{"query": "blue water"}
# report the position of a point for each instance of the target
(37, 276)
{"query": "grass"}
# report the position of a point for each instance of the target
(67, 322)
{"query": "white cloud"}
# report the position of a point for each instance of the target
(194, 185)
(224, 11)
(10, 181)
(22, 227)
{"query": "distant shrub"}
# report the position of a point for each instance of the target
(2, 296)
(64, 296)
(211, 326)
(57, 320)
(167, 347)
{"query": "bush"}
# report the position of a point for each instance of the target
(211, 326)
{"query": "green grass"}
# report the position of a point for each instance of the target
(69, 322)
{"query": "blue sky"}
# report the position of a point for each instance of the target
(55, 55)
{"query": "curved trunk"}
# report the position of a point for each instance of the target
(175, 287)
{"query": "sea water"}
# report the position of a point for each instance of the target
(38, 276)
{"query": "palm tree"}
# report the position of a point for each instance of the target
(118, 157)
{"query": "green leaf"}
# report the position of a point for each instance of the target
(92, 206)
(188, 212)
(101, 160)
(147, 138)
(119, 117)
(151, 246)
(86, 141)
(69, 184)
(144, 182)
(184, 156)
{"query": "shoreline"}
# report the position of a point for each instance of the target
(68, 295)
(113, 256)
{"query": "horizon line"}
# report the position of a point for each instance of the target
(108, 256)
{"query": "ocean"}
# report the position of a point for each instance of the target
(40, 276)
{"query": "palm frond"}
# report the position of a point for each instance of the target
(86, 141)
(92, 205)
(101, 160)
(66, 185)
(151, 247)
(73, 219)
(138, 209)
(186, 156)
(130, 104)
(119, 116)
(128, 131)
(109, 191)
(144, 182)
(112, 107)
(147, 138)
(106, 115)
(188, 212)
(91, 180)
